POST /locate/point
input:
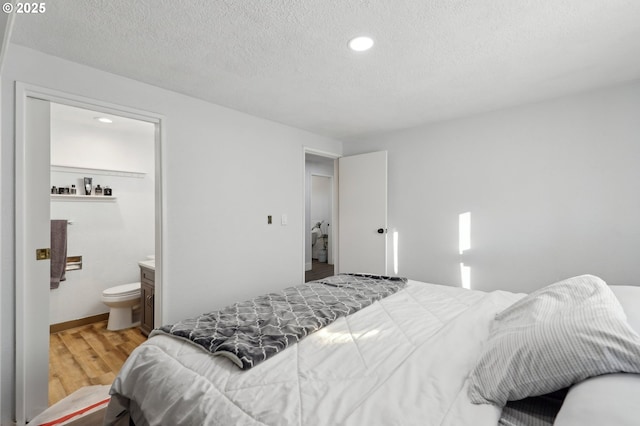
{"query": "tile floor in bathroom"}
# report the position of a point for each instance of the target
(87, 355)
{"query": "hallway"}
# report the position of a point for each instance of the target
(318, 270)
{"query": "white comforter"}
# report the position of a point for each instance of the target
(401, 361)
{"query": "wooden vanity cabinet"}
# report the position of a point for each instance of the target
(147, 292)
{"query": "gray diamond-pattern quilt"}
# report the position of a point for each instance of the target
(252, 331)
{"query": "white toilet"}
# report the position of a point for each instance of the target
(122, 301)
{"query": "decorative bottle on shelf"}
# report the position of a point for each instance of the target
(73, 190)
(98, 190)
(107, 191)
(87, 185)
(54, 190)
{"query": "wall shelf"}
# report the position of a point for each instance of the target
(69, 197)
(90, 171)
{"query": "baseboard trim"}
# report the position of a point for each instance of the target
(54, 328)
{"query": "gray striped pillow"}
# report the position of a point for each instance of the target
(553, 338)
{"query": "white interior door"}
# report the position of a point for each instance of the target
(32, 275)
(363, 213)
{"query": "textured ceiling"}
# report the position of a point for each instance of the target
(288, 60)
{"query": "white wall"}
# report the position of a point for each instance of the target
(321, 166)
(320, 199)
(553, 190)
(111, 236)
(223, 172)
(321, 209)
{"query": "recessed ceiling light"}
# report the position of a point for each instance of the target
(360, 44)
(104, 120)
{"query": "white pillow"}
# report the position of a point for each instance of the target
(553, 338)
(611, 399)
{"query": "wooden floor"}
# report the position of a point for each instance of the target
(318, 270)
(87, 355)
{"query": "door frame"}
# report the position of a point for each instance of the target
(335, 227)
(22, 92)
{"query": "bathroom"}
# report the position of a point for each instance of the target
(112, 233)
(319, 213)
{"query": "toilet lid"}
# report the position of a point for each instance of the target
(122, 290)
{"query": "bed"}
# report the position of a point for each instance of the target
(421, 355)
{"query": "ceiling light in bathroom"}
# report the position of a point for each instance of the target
(104, 120)
(360, 44)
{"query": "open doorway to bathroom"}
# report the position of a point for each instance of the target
(34, 176)
(110, 229)
(319, 207)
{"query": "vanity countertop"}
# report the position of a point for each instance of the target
(150, 264)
